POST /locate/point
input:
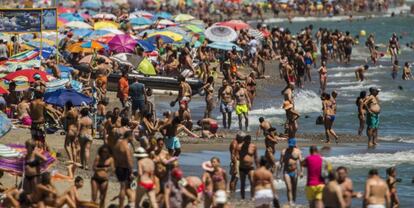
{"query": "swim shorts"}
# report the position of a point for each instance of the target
(314, 192)
(240, 109)
(122, 174)
(372, 120)
(27, 121)
(172, 143)
(226, 107)
(263, 197)
(213, 127)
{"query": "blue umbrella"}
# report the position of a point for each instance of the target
(61, 96)
(47, 51)
(140, 21)
(164, 15)
(227, 46)
(89, 45)
(91, 4)
(146, 45)
(36, 44)
(5, 124)
(71, 17)
(165, 39)
(82, 32)
(98, 33)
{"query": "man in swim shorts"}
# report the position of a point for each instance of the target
(371, 103)
(242, 105)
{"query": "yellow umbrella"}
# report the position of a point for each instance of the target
(105, 24)
(176, 37)
(77, 48)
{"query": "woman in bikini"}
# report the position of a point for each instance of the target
(85, 136)
(251, 87)
(215, 179)
(99, 181)
(323, 76)
(328, 108)
(209, 89)
(33, 162)
(203, 58)
(71, 128)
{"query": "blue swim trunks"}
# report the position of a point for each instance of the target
(373, 120)
(172, 143)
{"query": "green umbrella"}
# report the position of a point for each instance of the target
(194, 29)
(146, 67)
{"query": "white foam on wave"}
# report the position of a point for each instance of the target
(357, 87)
(388, 96)
(307, 101)
(396, 139)
(371, 160)
(309, 19)
(339, 83)
(398, 10)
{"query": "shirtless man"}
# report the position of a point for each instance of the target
(85, 136)
(360, 71)
(123, 166)
(225, 95)
(291, 119)
(373, 108)
(264, 189)
(23, 109)
(184, 92)
(147, 182)
(248, 158)
(332, 195)
(243, 105)
(235, 160)
(347, 186)
(290, 159)
(37, 112)
(377, 194)
(271, 139)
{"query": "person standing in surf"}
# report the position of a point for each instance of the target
(373, 108)
(361, 111)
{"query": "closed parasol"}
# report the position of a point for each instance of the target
(122, 44)
(221, 33)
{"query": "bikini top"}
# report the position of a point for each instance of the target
(33, 163)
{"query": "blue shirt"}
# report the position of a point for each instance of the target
(136, 91)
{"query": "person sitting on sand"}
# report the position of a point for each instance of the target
(264, 189)
(377, 194)
(360, 71)
(290, 159)
(184, 115)
(74, 194)
(209, 128)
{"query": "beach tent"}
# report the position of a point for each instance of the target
(146, 67)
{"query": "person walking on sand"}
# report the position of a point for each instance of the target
(360, 72)
(184, 92)
(214, 179)
(248, 158)
(123, 166)
(291, 119)
(71, 127)
(136, 92)
(290, 159)
(37, 113)
(377, 194)
(147, 181)
(328, 108)
(361, 111)
(226, 100)
(85, 137)
(332, 195)
(123, 89)
(243, 105)
(99, 181)
(373, 108)
(323, 76)
(392, 181)
(264, 188)
(209, 98)
(347, 186)
(314, 182)
(235, 160)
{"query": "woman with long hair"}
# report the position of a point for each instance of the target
(99, 181)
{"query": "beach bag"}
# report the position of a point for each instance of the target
(319, 120)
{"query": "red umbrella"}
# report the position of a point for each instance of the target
(122, 44)
(235, 24)
(3, 91)
(26, 75)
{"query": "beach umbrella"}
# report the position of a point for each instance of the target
(127, 59)
(3, 91)
(105, 24)
(220, 33)
(146, 67)
(165, 22)
(88, 59)
(113, 31)
(5, 124)
(61, 96)
(177, 30)
(82, 32)
(71, 17)
(61, 10)
(105, 16)
(163, 15)
(95, 45)
(227, 46)
(26, 75)
(194, 28)
(146, 45)
(140, 21)
(165, 39)
(176, 37)
(12, 66)
(183, 17)
(91, 4)
(78, 48)
(12, 159)
(141, 13)
(78, 24)
(122, 44)
(255, 33)
(105, 39)
(20, 85)
(24, 56)
(98, 33)
(235, 24)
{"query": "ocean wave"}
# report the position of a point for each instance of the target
(309, 19)
(388, 96)
(397, 139)
(307, 101)
(338, 83)
(373, 159)
(357, 87)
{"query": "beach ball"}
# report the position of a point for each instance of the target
(362, 33)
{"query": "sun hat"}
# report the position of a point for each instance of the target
(207, 166)
(140, 152)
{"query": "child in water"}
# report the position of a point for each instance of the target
(395, 69)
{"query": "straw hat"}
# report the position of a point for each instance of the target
(287, 105)
(207, 166)
(140, 153)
